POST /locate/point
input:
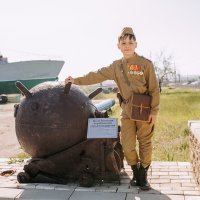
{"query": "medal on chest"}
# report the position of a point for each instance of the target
(135, 70)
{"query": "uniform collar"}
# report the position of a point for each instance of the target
(129, 60)
(132, 58)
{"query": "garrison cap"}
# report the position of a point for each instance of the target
(127, 30)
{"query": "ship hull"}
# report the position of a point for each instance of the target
(30, 73)
(8, 87)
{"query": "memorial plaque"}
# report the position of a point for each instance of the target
(102, 128)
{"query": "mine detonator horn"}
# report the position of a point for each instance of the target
(23, 89)
(95, 93)
(67, 88)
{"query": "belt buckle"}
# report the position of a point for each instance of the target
(126, 101)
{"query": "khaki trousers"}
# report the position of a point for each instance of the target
(132, 131)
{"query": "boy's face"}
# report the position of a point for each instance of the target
(127, 46)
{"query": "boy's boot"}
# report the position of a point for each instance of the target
(144, 184)
(135, 180)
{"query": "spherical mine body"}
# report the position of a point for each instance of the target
(49, 120)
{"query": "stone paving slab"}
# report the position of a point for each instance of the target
(169, 180)
(192, 197)
(44, 194)
(97, 196)
(154, 197)
(9, 193)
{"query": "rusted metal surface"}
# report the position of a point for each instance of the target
(8, 172)
(51, 121)
(51, 126)
(23, 89)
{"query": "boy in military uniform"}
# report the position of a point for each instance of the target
(141, 75)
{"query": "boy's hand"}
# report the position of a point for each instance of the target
(152, 119)
(69, 79)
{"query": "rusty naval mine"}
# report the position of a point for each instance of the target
(51, 125)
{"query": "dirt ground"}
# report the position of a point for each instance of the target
(9, 145)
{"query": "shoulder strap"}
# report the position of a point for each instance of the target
(125, 77)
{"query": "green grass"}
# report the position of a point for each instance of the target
(171, 134)
(18, 158)
(177, 107)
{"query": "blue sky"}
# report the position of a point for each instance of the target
(84, 33)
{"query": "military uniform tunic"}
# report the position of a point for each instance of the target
(141, 75)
